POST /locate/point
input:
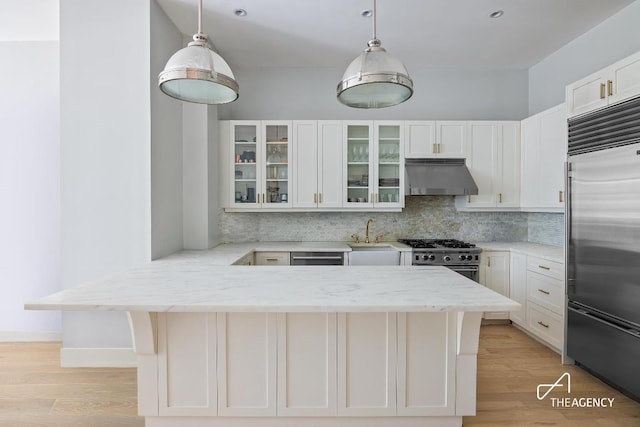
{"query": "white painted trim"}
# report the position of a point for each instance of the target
(303, 422)
(30, 336)
(98, 358)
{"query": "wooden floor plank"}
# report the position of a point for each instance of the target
(36, 392)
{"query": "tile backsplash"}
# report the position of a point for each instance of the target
(426, 217)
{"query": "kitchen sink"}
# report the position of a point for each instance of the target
(376, 254)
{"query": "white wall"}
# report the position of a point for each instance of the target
(166, 142)
(310, 93)
(105, 139)
(612, 40)
(29, 167)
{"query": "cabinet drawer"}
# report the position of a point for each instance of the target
(272, 258)
(545, 267)
(545, 325)
(545, 291)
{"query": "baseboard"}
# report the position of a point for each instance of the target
(30, 336)
(97, 358)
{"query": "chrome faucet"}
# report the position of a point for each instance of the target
(366, 237)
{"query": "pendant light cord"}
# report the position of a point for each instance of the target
(375, 16)
(200, 17)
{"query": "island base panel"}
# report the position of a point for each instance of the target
(304, 422)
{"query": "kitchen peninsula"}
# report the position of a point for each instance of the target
(305, 346)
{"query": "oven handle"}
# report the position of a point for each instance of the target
(472, 269)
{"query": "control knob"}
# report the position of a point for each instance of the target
(462, 257)
(446, 258)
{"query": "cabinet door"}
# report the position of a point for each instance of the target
(307, 364)
(358, 173)
(482, 161)
(366, 364)
(518, 287)
(388, 181)
(451, 137)
(552, 154)
(276, 159)
(530, 161)
(330, 164)
(508, 174)
(426, 364)
(587, 94)
(421, 139)
(494, 274)
(304, 181)
(245, 156)
(246, 364)
(187, 364)
(625, 79)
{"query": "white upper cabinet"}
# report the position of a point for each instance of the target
(544, 151)
(493, 158)
(317, 157)
(610, 85)
(435, 139)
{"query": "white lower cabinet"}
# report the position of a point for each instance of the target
(272, 258)
(187, 388)
(494, 274)
(538, 285)
(518, 287)
(426, 363)
(246, 364)
(366, 364)
(307, 364)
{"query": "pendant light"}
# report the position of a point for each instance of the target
(198, 74)
(375, 79)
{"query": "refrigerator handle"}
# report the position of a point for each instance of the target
(567, 227)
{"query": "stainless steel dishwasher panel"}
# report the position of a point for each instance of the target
(317, 258)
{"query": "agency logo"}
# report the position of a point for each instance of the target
(564, 383)
(557, 384)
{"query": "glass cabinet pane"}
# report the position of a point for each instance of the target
(245, 161)
(276, 171)
(358, 146)
(389, 145)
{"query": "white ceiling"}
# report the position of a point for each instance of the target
(421, 33)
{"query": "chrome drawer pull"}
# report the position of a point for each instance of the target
(544, 267)
(543, 291)
(271, 259)
(542, 324)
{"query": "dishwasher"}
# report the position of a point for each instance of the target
(317, 258)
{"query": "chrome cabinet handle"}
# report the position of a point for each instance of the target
(499, 197)
(543, 291)
(609, 87)
(315, 197)
(544, 325)
(561, 196)
(544, 267)
(319, 197)
(601, 90)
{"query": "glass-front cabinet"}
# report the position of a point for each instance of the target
(374, 172)
(261, 158)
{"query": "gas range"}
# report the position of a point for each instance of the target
(447, 252)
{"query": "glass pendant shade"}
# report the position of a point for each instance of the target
(198, 74)
(375, 79)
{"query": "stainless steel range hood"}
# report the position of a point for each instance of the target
(439, 177)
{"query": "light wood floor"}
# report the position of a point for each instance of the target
(35, 391)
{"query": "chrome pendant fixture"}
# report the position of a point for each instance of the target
(198, 74)
(375, 79)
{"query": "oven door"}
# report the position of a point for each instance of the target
(469, 271)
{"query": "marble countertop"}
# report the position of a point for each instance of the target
(190, 284)
(551, 253)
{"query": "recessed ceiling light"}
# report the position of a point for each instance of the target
(496, 14)
(367, 13)
(240, 12)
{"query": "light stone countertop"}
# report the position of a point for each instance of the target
(203, 281)
(551, 253)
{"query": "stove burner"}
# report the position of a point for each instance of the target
(436, 243)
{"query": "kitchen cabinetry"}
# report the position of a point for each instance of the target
(544, 151)
(493, 158)
(545, 300)
(247, 259)
(616, 83)
(518, 287)
(374, 169)
(445, 139)
(317, 160)
(272, 258)
(261, 156)
(494, 274)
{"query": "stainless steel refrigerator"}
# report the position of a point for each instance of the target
(603, 244)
